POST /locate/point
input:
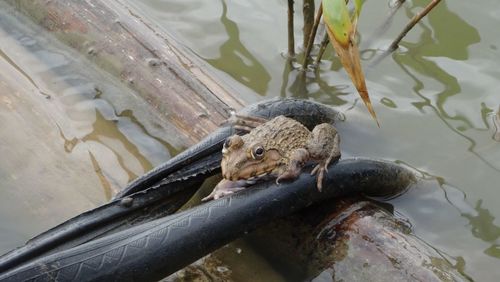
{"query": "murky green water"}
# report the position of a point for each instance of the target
(435, 98)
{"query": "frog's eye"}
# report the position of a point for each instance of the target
(258, 152)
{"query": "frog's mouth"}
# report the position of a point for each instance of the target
(252, 170)
(255, 172)
(261, 177)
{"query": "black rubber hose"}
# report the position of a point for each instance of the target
(110, 217)
(156, 249)
(209, 145)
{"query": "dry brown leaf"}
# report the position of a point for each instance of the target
(349, 57)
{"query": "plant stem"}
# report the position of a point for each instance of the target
(394, 45)
(291, 39)
(312, 35)
(322, 48)
(308, 10)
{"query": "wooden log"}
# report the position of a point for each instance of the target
(147, 59)
(41, 183)
(345, 240)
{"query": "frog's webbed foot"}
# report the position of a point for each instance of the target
(322, 167)
(246, 123)
(320, 170)
(225, 188)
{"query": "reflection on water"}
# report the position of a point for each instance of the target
(451, 38)
(440, 41)
(306, 84)
(483, 227)
(452, 88)
(237, 60)
(418, 59)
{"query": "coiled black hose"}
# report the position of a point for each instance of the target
(153, 250)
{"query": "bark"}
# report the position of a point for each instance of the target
(291, 37)
(308, 11)
(311, 36)
(351, 240)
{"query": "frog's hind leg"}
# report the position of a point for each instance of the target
(323, 147)
(246, 123)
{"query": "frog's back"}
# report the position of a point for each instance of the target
(281, 133)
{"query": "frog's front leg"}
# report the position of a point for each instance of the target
(226, 187)
(298, 159)
(324, 146)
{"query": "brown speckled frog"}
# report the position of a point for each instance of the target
(277, 148)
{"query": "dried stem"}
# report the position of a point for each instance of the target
(291, 39)
(412, 23)
(308, 10)
(310, 42)
(322, 48)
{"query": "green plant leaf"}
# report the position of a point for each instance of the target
(336, 17)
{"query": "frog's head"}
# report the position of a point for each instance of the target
(247, 161)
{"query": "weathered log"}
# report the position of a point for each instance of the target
(26, 123)
(151, 62)
(352, 240)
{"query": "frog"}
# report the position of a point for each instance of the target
(278, 148)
